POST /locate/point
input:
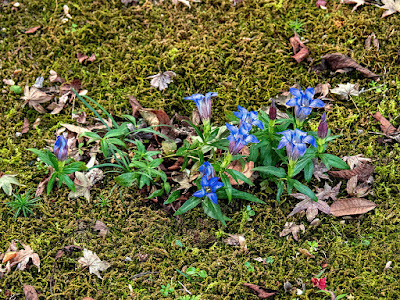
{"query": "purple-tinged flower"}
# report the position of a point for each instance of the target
(323, 127)
(272, 111)
(207, 170)
(203, 104)
(61, 148)
(250, 117)
(303, 102)
(295, 142)
(208, 188)
(239, 137)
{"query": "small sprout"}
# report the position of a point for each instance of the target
(297, 26)
(249, 266)
(167, 289)
(22, 204)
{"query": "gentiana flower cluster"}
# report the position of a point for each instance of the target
(240, 135)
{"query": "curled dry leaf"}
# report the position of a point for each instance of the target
(81, 57)
(161, 80)
(375, 43)
(54, 77)
(364, 171)
(33, 29)
(66, 11)
(20, 258)
(355, 160)
(57, 107)
(387, 266)
(25, 127)
(30, 293)
(237, 166)
(9, 81)
(79, 117)
(355, 190)
(305, 252)
(346, 90)
(351, 206)
(341, 63)
(35, 97)
(299, 49)
(101, 228)
(328, 192)
(6, 182)
(319, 170)
(292, 228)
(91, 260)
(176, 2)
(66, 88)
(135, 106)
(261, 292)
(236, 240)
(322, 90)
(84, 182)
(386, 126)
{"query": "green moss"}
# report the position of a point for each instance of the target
(244, 54)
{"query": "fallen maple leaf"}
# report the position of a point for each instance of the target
(391, 6)
(84, 182)
(375, 42)
(101, 228)
(294, 229)
(34, 97)
(310, 206)
(357, 2)
(91, 260)
(386, 126)
(56, 107)
(23, 256)
(351, 206)
(319, 170)
(161, 80)
(261, 292)
(346, 90)
(30, 293)
(176, 2)
(81, 57)
(328, 192)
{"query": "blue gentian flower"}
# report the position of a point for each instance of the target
(239, 137)
(207, 170)
(203, 104)
(208, 188)
(303, 102)
(61, 148)
(250, 117)
(295, 142)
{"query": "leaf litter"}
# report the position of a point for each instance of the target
(161, 80)
(91, 260)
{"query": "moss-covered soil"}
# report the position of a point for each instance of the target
(244, 54)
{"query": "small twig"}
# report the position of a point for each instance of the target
(355, 104)
(184, 288)
(142, 274)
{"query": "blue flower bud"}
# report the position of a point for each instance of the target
(61, 148)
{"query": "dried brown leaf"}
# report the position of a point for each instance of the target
(236, 240)
(33, 29)
(391, 6)
(328, 192)
(319, 170)
(299, 49)
(65, 88)
(91, 260)
(135, 105)
(9, 81)
(79, 117)
(161, 80)
(355, 160)
(306, 253)
(101, 228)
(310, 206)
(386, 127)
(364, 171)
(34, 97)
(73, 128)
(23, 257)
(81, 57)
(57, 107)
(351, 206)
(30, 293)
(25, 127)
(342, 63)
(261, 292)
(84, 182)
(346, 90)
(292, 228)
(355, 190)
(357, 2)
(92, 58)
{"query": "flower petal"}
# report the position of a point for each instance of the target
(194, 97)
(213, 197)
(310, 140)
(317, 103)
(199, 194)
(309, 93)
(295, 92)
(291, 102)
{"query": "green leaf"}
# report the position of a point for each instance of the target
(91, 135)
(156, 193)
(305, 190)
(64, 178)
(227, 186)
(237, 175)
(173, 197)
(197, 129)
(114, 133)
(50, 184)
(16, 89)
(73, 167)
(278, 172)
(308, 170)
(281, 187)
(126, 179)
(300, 165)
(44, 156)
(236, 194)
(116, 141)
(290, 183)
(188, 205)
(333, 161)
(213, 210)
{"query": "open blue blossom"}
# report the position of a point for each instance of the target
(209, 188)
(203, 104)
(207, 170)
(303, 102)
(250, 117)
(239, 137)
(61, 148)
(295, 142)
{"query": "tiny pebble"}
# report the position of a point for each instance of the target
(18, 134)
(127, 259)
(360, 131)
(342, 222)
(16, 4)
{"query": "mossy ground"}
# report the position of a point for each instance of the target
(243, 53)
